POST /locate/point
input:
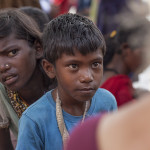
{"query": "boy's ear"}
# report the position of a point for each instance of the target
(48, 68)
(39, 50)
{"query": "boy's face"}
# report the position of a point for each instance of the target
(79, 76)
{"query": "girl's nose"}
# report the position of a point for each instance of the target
(4, 67)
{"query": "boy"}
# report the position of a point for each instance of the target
(73, 50)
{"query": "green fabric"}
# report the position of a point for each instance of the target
(94, 10)
(8, 109)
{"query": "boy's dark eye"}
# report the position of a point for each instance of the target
(96, 65)
(73, 66)
(12, 52)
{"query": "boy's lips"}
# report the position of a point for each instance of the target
(87, 90)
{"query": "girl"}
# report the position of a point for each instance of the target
(22, 78)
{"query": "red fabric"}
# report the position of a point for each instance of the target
(83, 136)
(121, 87)
(58, 2)
(63, 4)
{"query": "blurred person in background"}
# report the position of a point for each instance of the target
(45, 5)
(110, 12)
(83, 7)
(19, 3)
(124, 57)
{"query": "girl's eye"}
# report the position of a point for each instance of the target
(96, 65)
(73, 66)
(12, 53)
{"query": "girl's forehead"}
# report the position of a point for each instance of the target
(9, 38)
(11, 42)
(9, 34)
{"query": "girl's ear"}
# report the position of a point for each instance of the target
(39, 50)
(48, 68)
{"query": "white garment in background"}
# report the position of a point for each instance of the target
(144, 80)
(46, 5)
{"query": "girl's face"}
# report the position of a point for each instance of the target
(17, 62)
(134, 59)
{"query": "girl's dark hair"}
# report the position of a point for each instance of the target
(134, 32)
(111, 46)
(39, 16)
(70, 32)
(22, 26)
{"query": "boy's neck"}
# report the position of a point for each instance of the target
(75, 109)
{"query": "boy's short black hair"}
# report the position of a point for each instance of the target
(70, 32)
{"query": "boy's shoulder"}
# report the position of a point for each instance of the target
(105, 98)
(103, 93)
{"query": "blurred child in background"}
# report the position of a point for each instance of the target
(124, 56)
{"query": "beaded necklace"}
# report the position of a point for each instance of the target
(18, 104)
(60, 119)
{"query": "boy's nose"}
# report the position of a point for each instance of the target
(86, 76)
